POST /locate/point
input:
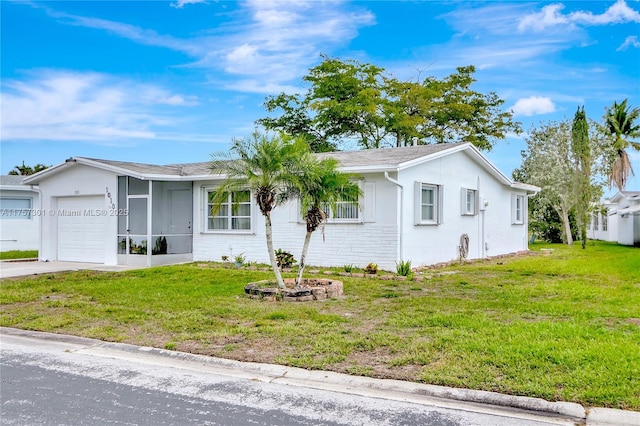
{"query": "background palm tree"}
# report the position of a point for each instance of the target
(265, 166)
(320, 187)
(622, 123)
(25, 170)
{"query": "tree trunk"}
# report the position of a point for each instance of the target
(272, 254)
(583, 233)
(303, 256)
(566, 226)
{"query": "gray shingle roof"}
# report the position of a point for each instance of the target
(383, 157)
(11, 180)
(386, 157)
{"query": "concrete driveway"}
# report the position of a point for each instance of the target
(24, 268)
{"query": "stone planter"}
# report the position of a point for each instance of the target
(310, 289)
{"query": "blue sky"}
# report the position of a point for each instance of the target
(174, 81)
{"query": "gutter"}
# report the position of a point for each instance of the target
(401, 219)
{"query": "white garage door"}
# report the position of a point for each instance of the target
(81, 232)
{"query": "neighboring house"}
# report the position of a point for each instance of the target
(417, 203)
(19, 209)
(618, 220)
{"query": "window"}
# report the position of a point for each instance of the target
(469, 202)
(517, 209)
(595, 221)
(15, 208)
(233, 214)
(605, 221)
(428, 204)
(345, 210)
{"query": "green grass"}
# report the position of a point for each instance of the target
(560, 327)
(18, 254)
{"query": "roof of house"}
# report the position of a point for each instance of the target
(383, 158)
(361, 161)
(15, 183)
(387, 157)
(11, 180)
(624, 195)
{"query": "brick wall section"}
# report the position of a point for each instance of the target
(343, 244)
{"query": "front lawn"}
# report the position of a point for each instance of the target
(560, 327)
(18, 254)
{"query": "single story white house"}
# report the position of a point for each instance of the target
(19, 223)
(417, 203)
(618, 220)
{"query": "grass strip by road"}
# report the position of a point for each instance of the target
(559, 327)
(18, 254)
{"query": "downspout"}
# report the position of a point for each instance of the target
(400, 222)
(40, 216)
(481, 210)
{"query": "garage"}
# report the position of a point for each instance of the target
(81, 229)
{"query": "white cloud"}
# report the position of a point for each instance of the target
(181, 3)
(281, 39)
(551, 15)
(69, 106)
(618, 13)
(272, 42)
(533, 105)
(631, 41)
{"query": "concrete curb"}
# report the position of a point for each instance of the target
(611, 417)
(327, 380)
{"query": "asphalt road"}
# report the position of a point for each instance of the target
(48, 382)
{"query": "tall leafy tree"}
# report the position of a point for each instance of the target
(320, 187)
(548, 163)
(349, 100)
(581, 149)
(449, 110)
(265, 166)
(295, 119)
(623, 123)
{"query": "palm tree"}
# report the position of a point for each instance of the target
(27, 170)
(320, 187)
(622, 123)
(265, 166)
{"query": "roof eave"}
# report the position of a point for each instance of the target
(37, 177)
(18, 188)
(368, 169)
(526, 187)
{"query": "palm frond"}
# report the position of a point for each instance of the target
(621, 169)
(623, 123)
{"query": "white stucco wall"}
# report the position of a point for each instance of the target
(428, 244)
(77, 181)
(608, 234)
(20, 233)
(625, 229)
(377, 238)
(629, 229)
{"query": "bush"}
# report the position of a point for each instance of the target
(371, 268)
(284, 259)
(348, 268)
(546, 224)
(403, 268)
(240, 259)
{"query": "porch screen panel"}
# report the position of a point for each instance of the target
(122, 204)
(138, 216)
